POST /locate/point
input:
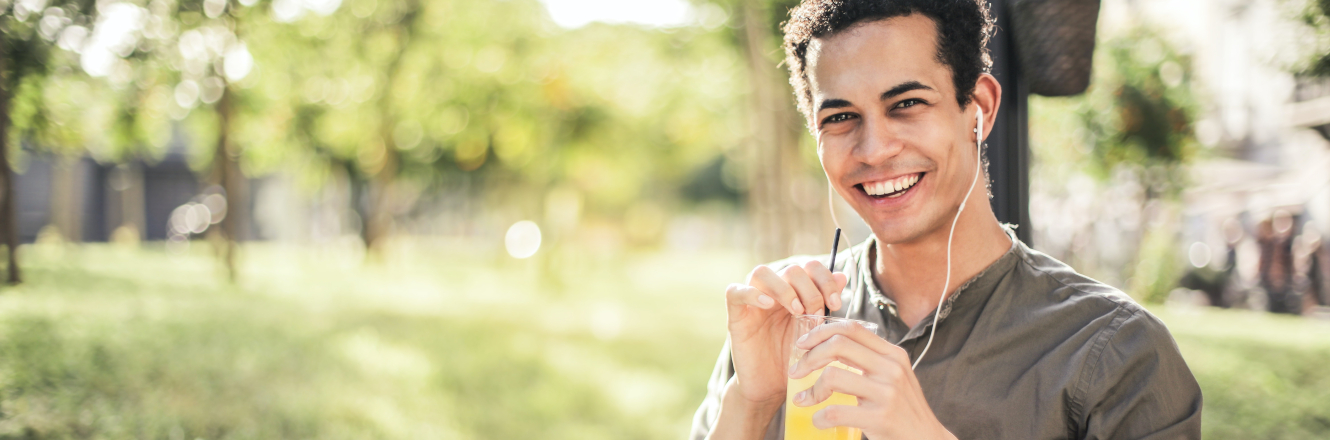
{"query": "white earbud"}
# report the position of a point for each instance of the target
(979, 122)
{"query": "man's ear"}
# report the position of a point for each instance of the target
(988, 97)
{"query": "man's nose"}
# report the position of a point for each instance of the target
(878, 142)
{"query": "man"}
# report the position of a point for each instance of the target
(1024, 348)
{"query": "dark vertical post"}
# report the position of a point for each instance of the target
(1008, 143)
(8, 213)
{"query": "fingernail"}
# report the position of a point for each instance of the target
(802, 397)
(802, 339)
(765, 301)
(798, 308)
(792, 368)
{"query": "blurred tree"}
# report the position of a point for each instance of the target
(106, 101)
(775, 164)
(29, 30)
(337, 91)
(633, 135)
(159, 60)
(1316, 16)
(405, 97)
(196, 46)
(1140, 111)
(783, 183)
(192, 49)
(1132, 132)
(230, 62)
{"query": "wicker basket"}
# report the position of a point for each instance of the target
(1055, 43)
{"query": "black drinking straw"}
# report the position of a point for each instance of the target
(835, 243)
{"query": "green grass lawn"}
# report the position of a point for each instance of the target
(446, 341)
(1263, 376)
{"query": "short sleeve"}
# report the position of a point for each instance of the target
(1140, 387)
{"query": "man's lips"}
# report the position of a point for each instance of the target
(890, 188)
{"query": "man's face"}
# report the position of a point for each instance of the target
(886, 117)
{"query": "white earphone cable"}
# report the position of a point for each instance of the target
(978, 145)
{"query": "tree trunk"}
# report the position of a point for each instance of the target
(382, 176)
(787, 204)
(226, 174)
(378, 218)
(8, 213)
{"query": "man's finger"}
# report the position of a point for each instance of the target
(851, 330)
(738, 296)
(771, 284)
(845, 415)
(828, 283)
(838, 348)
(839, 380)
(805, 288)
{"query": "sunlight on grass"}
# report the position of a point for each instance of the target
(451, 342)
(119, 343)
(1263, 375)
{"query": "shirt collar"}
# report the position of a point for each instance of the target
(978, 287)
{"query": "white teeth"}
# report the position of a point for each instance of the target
(894, 186)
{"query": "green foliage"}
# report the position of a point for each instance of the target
(1315, 15)
(494, 93)
(1139, 110)
(1159, 261)
(57, 108)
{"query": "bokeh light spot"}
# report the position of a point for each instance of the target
(238, 62)
(523, 239)
(1199, 254)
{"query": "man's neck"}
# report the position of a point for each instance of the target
(912, 273)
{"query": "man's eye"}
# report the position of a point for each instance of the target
(838, 117)
(910, 103)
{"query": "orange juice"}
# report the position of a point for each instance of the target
(799, 419)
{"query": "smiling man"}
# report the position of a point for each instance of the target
(1022, 346)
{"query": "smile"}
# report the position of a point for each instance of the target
(891, 188)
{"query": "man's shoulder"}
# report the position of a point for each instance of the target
(1095, 305)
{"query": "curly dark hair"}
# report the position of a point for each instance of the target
(963, 28)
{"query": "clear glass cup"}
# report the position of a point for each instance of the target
(799, 419)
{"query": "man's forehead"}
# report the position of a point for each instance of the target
(879, 53)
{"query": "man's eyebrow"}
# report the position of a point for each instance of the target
(899, 89)
(902, 88)
(832, 103)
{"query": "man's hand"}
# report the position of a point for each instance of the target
(760, 317)
(891, 402)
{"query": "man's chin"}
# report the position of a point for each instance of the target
(899, 230)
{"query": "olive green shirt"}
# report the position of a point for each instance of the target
(1027, 349)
